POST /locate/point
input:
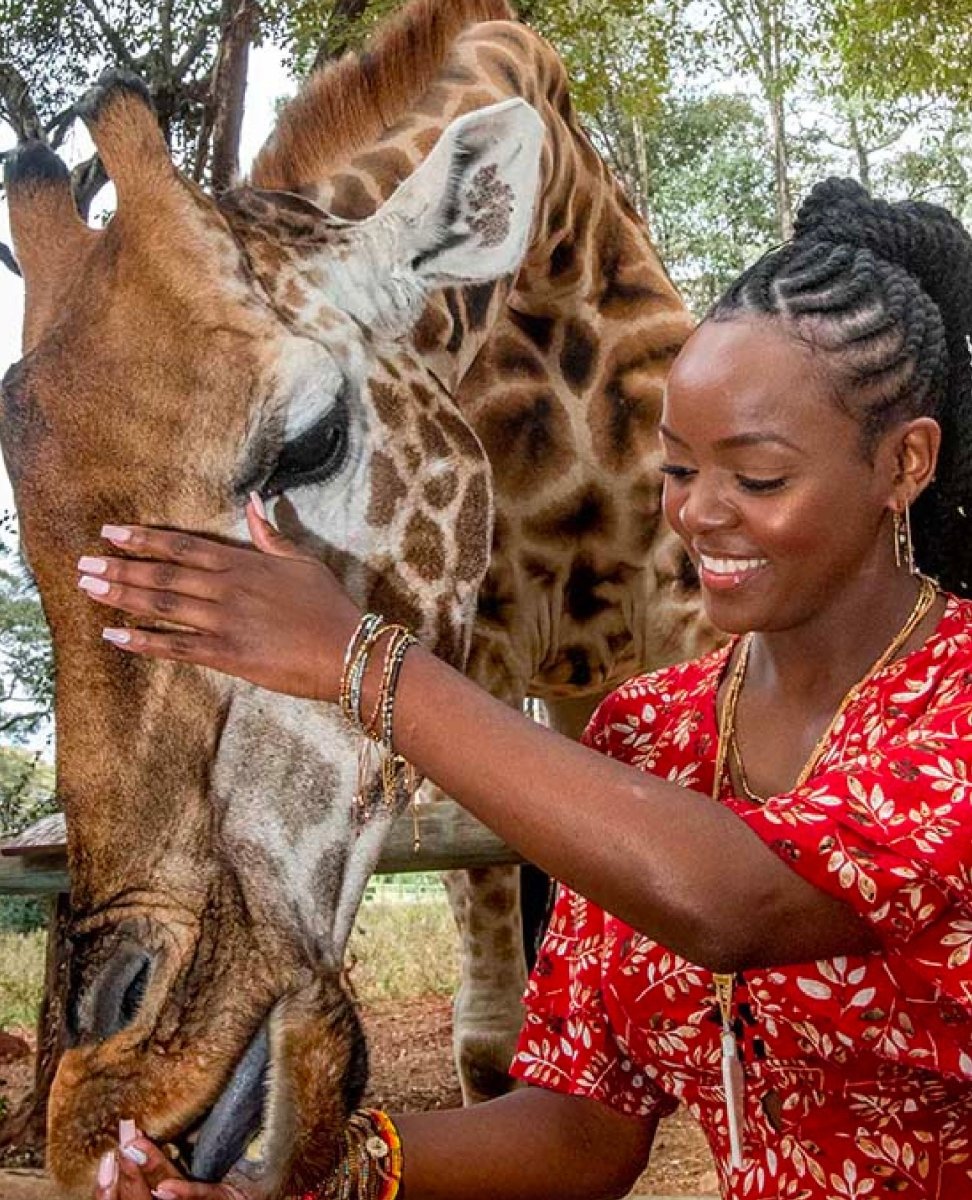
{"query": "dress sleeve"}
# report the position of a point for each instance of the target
(567, 1044)
(890, 833)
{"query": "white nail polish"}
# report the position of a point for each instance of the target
(95, 587)
(261, 509)
(92, 566)
(107, 1170)
(127, 1131)
(116, 533)
(133, 1154)
(119, 637)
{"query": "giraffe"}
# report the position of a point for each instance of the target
(434, 334)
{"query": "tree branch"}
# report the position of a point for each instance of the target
(17, 106)
(197, 45)
(8, 260)
(116, 43)
(87, 180)
(238, 25)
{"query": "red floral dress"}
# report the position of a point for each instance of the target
(858, 1070)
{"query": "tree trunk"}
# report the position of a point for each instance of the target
(861, 152)
(238, 24)
(781, 168)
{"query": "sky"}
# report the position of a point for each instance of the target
(268, 82)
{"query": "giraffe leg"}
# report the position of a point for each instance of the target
(487, 1012)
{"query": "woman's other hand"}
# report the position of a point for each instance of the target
(271, 615)
(140, 1171)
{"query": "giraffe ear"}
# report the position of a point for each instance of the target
(465, 214)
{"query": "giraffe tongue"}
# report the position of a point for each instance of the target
(236, 1117)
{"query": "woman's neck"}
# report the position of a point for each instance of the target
(826, 655)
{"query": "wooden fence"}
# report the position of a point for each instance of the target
(35, 863)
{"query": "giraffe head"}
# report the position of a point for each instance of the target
(188, 353)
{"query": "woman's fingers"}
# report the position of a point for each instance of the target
(198, 648)
(153, 576)
(171, 546)
(265, 536)
(164, 605)
(153, 1165)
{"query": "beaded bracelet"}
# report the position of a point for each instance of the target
(371, 1168)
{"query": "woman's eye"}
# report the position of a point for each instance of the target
(676, 472)
(758, 486)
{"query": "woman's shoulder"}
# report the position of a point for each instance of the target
(646, 702)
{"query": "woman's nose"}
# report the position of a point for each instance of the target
(706, 507)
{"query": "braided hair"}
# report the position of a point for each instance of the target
(884, 291)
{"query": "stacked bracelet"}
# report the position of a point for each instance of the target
(379, 727)
(371, 1167)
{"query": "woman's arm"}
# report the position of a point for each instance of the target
(529, 1145)
(669, 861)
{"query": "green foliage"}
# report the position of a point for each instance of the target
(21, 978)
(902, 48)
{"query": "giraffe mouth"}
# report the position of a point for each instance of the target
(232, 1128)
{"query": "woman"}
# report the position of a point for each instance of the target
(793, 960)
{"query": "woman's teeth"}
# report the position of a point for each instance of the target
(731, 566)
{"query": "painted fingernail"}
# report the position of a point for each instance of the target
(92, 566)
(133, 1154)
(120, 637)
(97, 587)
(163, 1193)
(116, 533)
(261, 509)
(107, 1170)
(127, 1131)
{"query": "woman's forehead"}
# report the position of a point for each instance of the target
(748, 376)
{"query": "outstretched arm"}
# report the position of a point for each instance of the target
(529, 1145)
(670, 862)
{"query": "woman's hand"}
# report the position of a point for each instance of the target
(140, 1171)
(270, 615)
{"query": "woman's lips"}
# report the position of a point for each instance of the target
(720, 574)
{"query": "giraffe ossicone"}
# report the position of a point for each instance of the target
(467, 441)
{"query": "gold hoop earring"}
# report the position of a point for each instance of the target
(904, 548)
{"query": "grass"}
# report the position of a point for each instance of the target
(21, 978)
(398, 950)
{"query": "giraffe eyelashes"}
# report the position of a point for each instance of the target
(316, 455)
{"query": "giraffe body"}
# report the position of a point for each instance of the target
(467, 441)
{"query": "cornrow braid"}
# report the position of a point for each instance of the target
(885, 291)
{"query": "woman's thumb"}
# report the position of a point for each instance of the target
(264, 534)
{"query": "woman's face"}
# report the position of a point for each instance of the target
(765, 479)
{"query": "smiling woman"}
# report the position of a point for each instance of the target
(767, 893)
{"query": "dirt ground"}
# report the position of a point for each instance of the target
(411, 1069)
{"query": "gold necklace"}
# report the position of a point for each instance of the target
(728, 738)
(733, 1079)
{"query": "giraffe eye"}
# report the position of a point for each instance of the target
(316, 455)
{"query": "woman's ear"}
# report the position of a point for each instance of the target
(915, 447)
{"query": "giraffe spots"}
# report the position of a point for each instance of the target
(564, 257)
(424, 141)
(499, 65)
(472, 525)
(423, 548)
(458, 74)
(629, 279)
(441, 490)
(388, 167)
(458, 329)
(540, 570)
(539, 330)
(462, 439)
(350, 199)
(516, 360)
(387, 491)
(587, 513)
(390, 596)
(496, 603)
(478, 299)
(578, 356)
(430, 334)
(413, 457)
(581, 600)
(293, 295)
(527, 438)
(388, 405)
(624, 414)
(422, 394)
(434, 442)
(643, 511)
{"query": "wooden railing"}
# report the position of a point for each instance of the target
(35, 862)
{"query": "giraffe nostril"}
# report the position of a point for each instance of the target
(111, 1001)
